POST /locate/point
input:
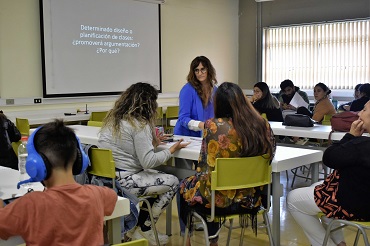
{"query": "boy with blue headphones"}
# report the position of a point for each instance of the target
(66, 212)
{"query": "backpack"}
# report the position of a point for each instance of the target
(342, 122)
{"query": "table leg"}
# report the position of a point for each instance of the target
(315, 172)
(114, 230)
(277, 192)
(169, 219)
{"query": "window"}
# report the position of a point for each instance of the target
(337, 54)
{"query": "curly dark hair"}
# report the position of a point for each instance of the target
(211, 77)
(138, 104)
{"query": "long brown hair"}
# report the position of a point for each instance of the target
(230, 102)
(138, 104)
(211, 77)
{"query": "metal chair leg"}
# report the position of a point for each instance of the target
(149, 209)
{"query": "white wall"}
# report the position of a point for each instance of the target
(189, 28)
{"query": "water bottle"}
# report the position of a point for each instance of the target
(22, 157)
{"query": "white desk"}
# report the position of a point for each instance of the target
(286, 158)
(8, 189)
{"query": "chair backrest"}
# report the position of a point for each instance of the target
(15, 146)
(23, 126)
(239, 173)
(172, 112)
(102, 163)
(98, 116)
(139, 242)
(95, 123)
(326, 120)
(264, 116)
(159, 116)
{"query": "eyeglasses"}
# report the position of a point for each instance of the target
(202, 70)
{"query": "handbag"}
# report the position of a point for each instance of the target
(342, 122)
(300, 120)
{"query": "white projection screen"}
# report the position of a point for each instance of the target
(99, 47)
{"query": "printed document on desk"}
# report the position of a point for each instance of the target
(297, 101)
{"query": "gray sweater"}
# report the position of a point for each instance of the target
(134, 150)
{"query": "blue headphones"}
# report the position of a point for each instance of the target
(38, 166)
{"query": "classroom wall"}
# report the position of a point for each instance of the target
(286, 12)
(188, 29)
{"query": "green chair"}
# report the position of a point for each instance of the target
(172, 112)
(139, 242)
(326, 120)
(159, 116)
(236, 173)
(102, 164)
(361, 227)
(23, 126)
(95, 123)
(15, 146)
(98, 116)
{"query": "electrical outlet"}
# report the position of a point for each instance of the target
(37, 100)
(9, 101)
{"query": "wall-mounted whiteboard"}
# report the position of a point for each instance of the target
(99, 47)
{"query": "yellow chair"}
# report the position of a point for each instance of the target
(159, 116)
(23, 126)
(139, 242)
(95, 123)
(15, 146)
(236, 173)
(102, 164)
(98, 116)
(326, 120)
(361, 226)
(264, 116)
(172, 112)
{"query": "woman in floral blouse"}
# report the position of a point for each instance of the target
(236, 131)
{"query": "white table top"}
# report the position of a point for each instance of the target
(9, 179)
(286, 157)
(317, 131)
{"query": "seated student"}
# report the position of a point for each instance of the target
(236, 131)
(129, 131)
(288, 90)
(323, 105)
(66, 213)
(358, 104)
(345, 193)
(264, 102)
(8, 134)
(356, 95)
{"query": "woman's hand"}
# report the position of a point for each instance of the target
(201, 125)
(178, 145)
(356, 128)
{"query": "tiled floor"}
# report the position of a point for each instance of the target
(291, 233)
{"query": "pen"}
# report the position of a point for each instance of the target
(196, 139)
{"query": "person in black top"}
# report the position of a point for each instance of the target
(358, 104)
(8, 134)
(264, 102)
(356, 95)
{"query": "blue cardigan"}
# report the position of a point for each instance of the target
(191, 108)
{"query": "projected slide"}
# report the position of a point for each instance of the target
(99, 47)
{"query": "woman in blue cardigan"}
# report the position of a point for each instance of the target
(196, 104)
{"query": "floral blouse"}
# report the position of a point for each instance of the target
(220, 140)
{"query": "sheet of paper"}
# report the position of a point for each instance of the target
(297, 101)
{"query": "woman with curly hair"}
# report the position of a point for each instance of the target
(236, 131)
(129, 131)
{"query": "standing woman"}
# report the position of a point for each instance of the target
(196, 104)
(236, 131)
(128, 130)
(266, 103)
(8, 134)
